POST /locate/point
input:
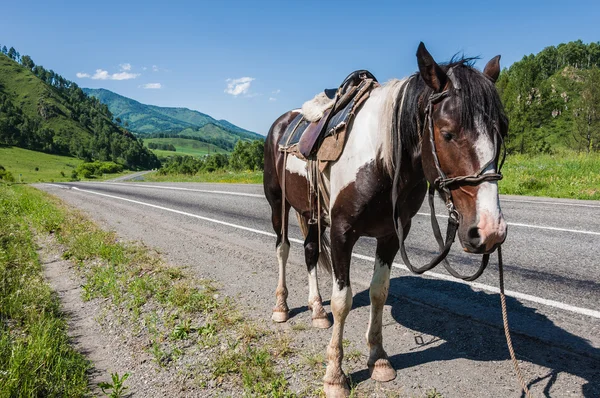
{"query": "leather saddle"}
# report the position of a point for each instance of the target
(306, 136)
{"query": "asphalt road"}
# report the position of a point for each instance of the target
(551, 256)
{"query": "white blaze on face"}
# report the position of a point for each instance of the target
(491, 224)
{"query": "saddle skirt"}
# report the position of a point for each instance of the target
(320, 128)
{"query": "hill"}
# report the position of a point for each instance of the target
(40, 110)
(552, 99)
(150, 119)
(183, 146)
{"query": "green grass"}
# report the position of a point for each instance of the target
(221, 176)
(184, 146)
(24, 162)
(159, 302)
(35, 356)
(568, 175)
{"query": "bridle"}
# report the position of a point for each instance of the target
(443, 184)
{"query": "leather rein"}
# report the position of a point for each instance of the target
(443, 184)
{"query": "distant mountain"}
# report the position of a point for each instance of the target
(42, 111)
(151, 119)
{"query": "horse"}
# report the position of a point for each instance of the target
(441, 128)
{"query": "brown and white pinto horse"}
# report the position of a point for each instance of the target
(391, 136)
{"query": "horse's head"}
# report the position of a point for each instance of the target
(464, 127)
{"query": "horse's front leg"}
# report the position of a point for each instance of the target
(335, 383)
(378, 363)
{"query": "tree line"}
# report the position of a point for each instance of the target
(105, 140)
(246, 155)
(552, 99)
(162, 146)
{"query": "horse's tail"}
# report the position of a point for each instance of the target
(325, 252)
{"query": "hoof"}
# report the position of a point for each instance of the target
(280, 316)
(336, 390)
(321, 323)
(382, 370)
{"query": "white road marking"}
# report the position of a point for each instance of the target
(253, 195)
(516, 224)
(517, 295)
(550, 203)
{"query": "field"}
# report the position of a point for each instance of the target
(184, 146)
(570, 175)
(24, 162)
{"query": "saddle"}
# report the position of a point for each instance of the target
(320, 133)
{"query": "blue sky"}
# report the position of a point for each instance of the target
(248, 62)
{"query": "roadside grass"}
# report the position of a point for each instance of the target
(219, 176)
(568, 175)
(176, 313)
(49, 167)
(35, 356)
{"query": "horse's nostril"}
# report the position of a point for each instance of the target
(473, 234)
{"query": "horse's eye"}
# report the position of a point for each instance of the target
(447, 136)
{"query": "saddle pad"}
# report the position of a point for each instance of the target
(293, 132)
(298, 126)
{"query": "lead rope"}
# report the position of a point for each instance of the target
(506, 328)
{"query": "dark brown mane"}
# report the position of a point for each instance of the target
(477, 95)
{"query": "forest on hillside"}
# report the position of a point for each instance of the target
(552, 99)
(54, 115)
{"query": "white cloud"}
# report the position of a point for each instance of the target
(272, 99)
(125, 67)
(155, 68)
(151, 85)
(144, 68)
(239, 86)
(101, 74)
(275, 92)
(123, 76)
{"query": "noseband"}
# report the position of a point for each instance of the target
(443, 184)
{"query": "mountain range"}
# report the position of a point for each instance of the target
(152, 120)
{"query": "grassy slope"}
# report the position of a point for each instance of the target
(35, 356)
(25, 90)
(23, 161)
(184, 147)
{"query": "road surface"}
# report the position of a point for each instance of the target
(552, 272)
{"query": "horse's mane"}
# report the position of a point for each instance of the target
(407, 98)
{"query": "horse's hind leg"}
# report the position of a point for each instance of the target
(378, 363)
(315, 303)
(281, 312)
(335, 383)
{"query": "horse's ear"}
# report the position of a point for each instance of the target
(430, 71)
(492, 69)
